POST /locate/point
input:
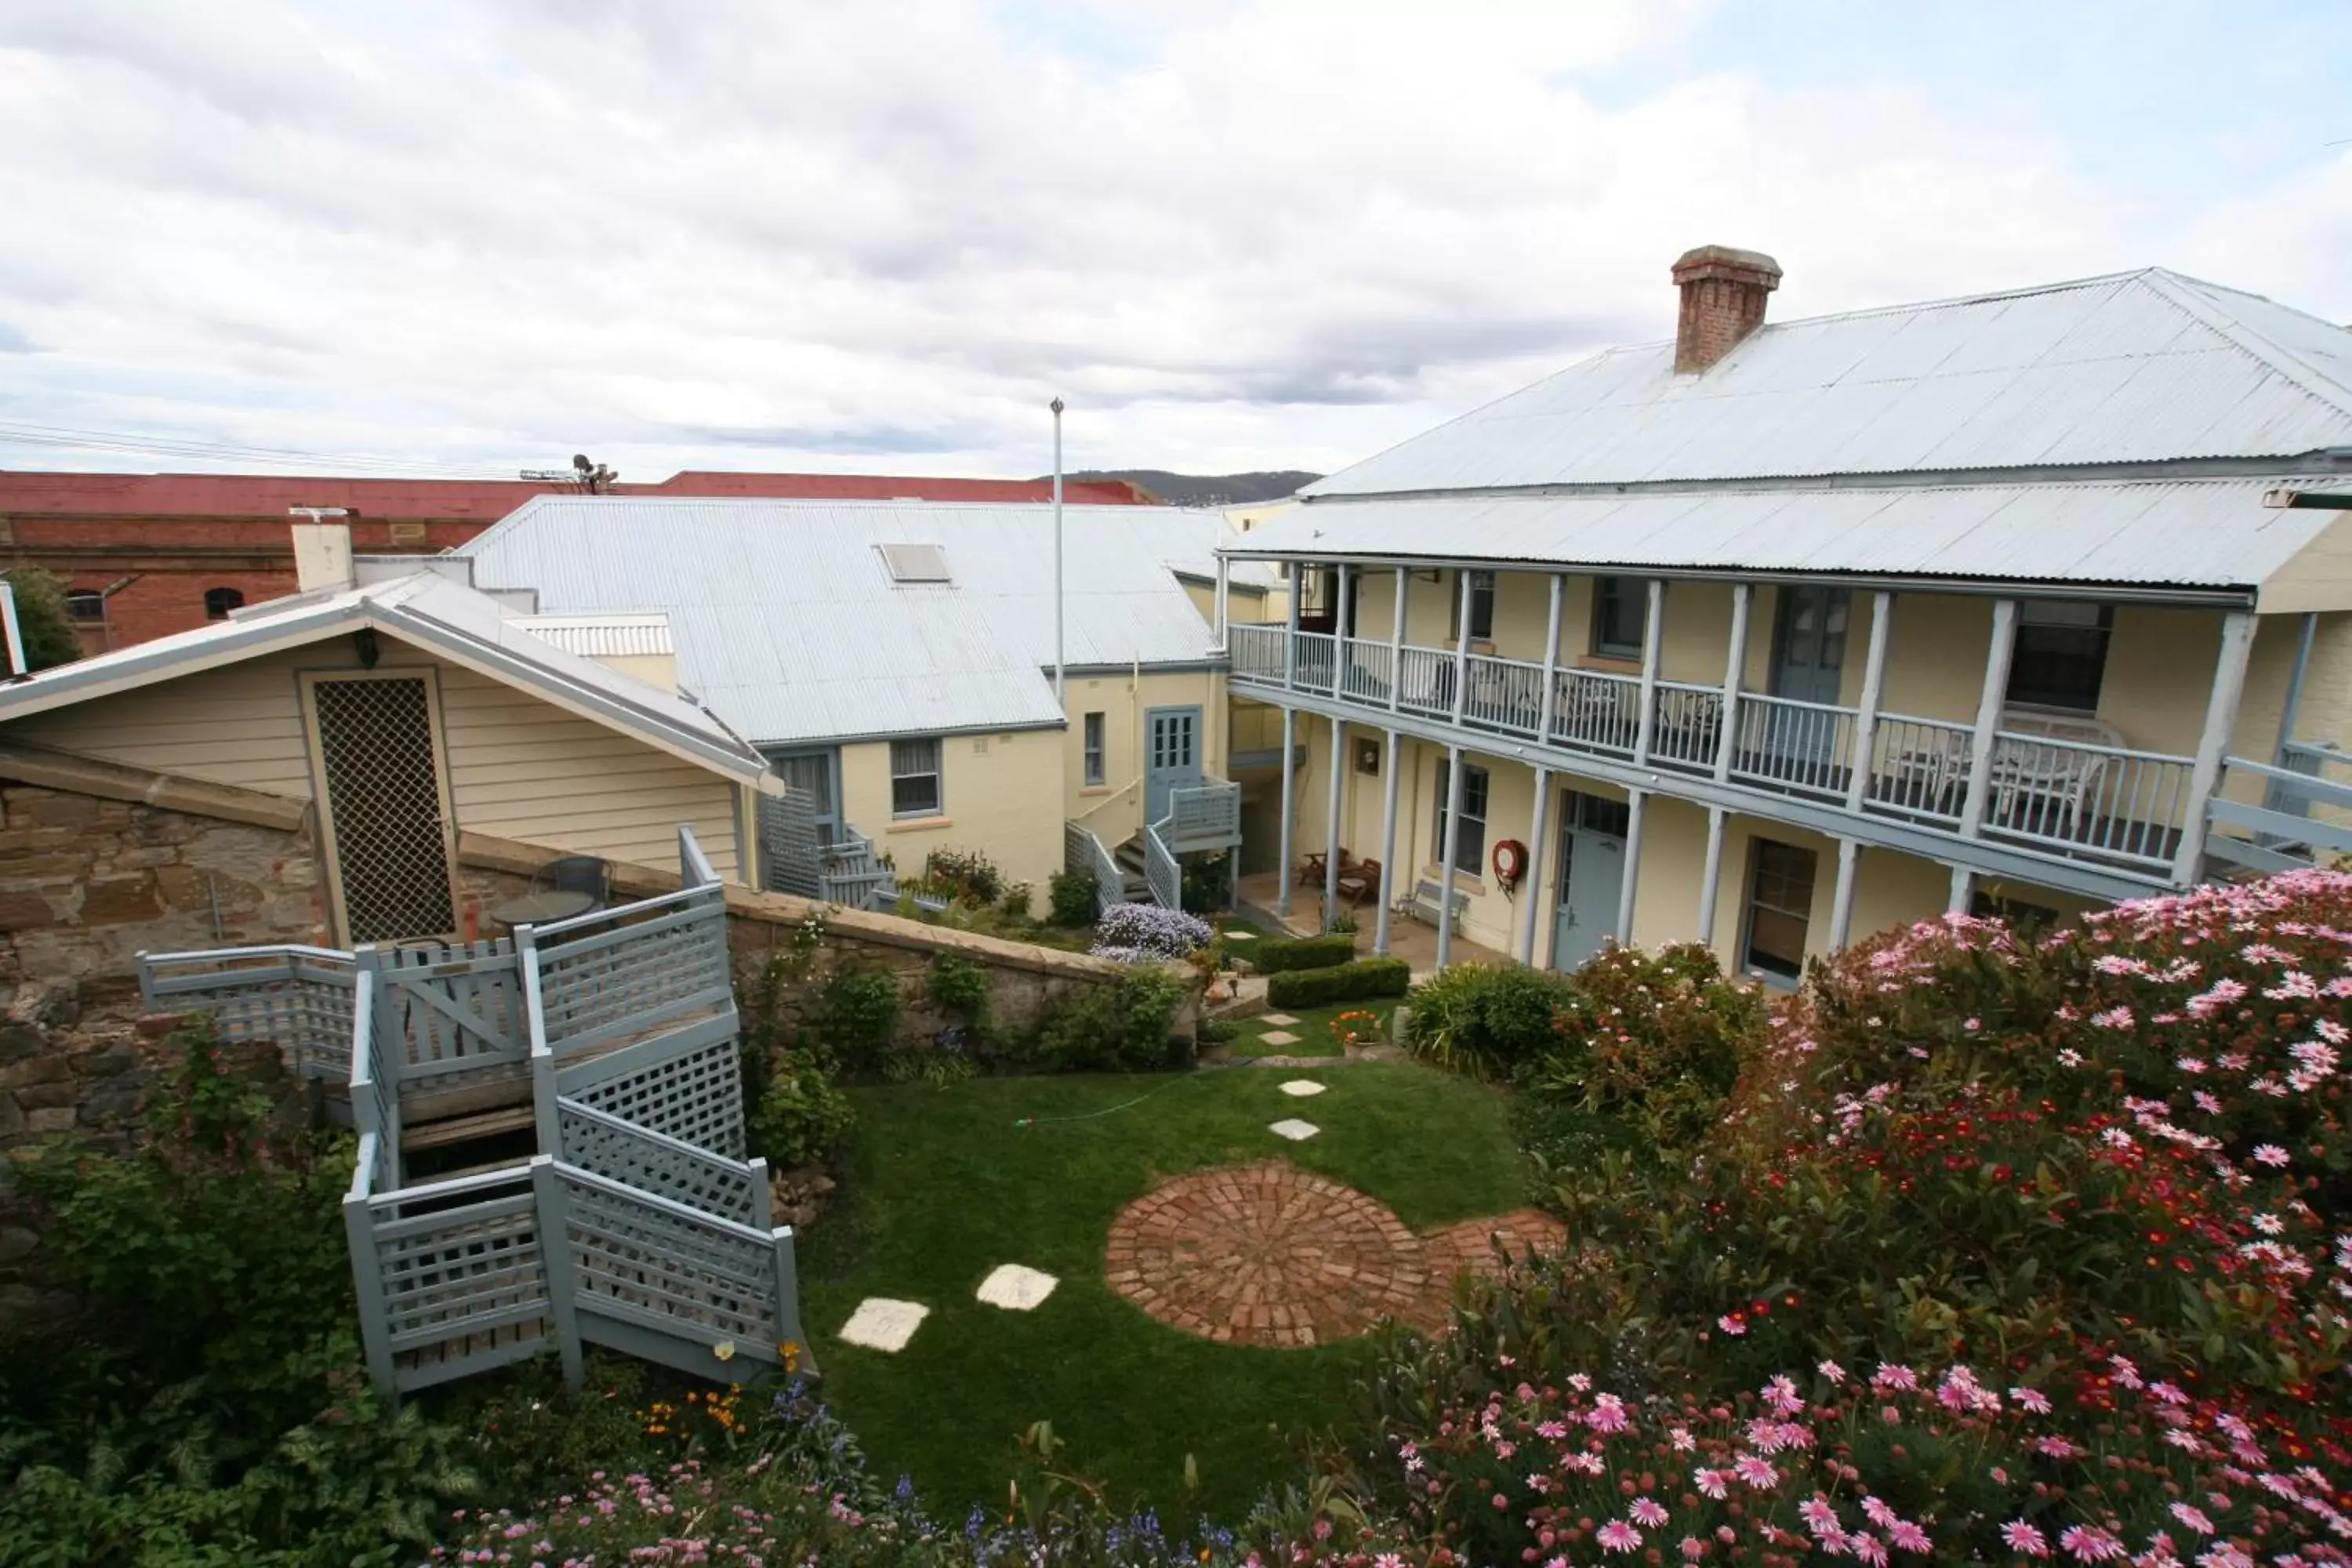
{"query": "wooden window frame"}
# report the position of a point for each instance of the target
(1748, 903)
(2100, 630)
(1094, 731)
(937, 773)
(1481, 593)
(1486, 782)
(308, 681)
(1639, 589)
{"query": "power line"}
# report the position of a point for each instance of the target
(65, 436)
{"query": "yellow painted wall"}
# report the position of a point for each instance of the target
(1114, 810)
(1001, 795)
(2318, 578)
(1892, 889)
(518, 767)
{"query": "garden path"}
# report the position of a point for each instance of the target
(1267, 1254)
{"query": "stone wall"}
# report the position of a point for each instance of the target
(86, 883)
(88, 880)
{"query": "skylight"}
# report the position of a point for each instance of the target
(915, 563)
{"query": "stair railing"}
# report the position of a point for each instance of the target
(1083, 851)
(1161, 867)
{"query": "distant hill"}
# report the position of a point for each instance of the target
(1207, 490)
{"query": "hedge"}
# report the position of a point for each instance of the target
(1339, 982)
(1304, 953)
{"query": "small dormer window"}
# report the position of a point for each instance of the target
(915, 563)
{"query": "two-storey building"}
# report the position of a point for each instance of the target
(1774, 635)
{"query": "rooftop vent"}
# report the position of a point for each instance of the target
(915, 563)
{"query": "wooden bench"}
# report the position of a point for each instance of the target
(1424, 904)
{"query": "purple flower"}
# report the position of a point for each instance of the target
(1132, 933)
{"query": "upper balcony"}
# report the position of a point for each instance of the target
(2068, 788)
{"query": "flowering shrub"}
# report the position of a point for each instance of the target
(1951, 1466)
(1146, 933)
(1653, 1039)
(2105, 1170)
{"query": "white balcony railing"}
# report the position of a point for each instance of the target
(2071, 798)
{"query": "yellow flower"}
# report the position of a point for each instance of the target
(724, 1349)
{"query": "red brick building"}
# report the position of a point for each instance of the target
(143, 555)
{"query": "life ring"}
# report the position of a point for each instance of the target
(1510, 862)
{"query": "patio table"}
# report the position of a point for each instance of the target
(539, 908)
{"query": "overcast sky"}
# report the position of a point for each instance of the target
(473, 235)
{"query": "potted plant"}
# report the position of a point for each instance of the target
(1208, 961)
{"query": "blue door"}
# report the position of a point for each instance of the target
(1171, 756)
(1591, 875)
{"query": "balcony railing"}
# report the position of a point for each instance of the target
(2082, 801)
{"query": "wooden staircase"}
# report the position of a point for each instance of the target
(575, 1096)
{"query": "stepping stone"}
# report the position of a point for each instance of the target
(1279, 1020)
(1298, 1131)
(882, 1324)
(1300, 1087)
(1015, 1288)
(1278, 1036)
(1241, 936)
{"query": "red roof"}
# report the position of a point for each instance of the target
(268, 495)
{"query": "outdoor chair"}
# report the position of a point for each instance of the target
(576, 874)
(1358, 881)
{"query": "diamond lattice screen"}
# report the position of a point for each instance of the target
(375, 738)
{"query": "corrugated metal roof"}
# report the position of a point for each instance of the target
(34, 493)
(788, 625)
(2192, 533)
(427, 608)
(633, 634)
(2137, 367)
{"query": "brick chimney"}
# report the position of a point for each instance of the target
(1723, 301)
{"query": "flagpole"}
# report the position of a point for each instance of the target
(1056, 407)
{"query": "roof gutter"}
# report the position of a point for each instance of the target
(745, 766)
(2226, 596)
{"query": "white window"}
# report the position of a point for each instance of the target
(1780, 910)
(1094, 726)
(915, 778)
(1470, 824)
(2060, 657)
(1620, 614)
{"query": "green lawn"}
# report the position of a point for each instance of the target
(946, 1183)
(1313, 1029)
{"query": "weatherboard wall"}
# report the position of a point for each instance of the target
(518, 767)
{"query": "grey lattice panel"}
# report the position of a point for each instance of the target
(376, 748)
(792, 853)
(298, 999)
(661, 1266)
(628, 1154)
(463, 1275)
(453, 1007)
(602, 985)
(696, 1098)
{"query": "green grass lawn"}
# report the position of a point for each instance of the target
(1313, 1029)
(945, 1183)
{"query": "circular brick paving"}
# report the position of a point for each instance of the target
(1269, 1254)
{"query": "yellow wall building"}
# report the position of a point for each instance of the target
(1781, 635)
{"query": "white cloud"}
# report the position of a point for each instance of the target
(881, 237)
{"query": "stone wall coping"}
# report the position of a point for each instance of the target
(486, 853)
(47, 769)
